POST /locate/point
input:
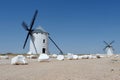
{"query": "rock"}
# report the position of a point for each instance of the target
(54, 55)
(60, 57)
(43, 57)
(32, 57)
(75, 57)
(69, 56)
(4, 57)
(19, 60)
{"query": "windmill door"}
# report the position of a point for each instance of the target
(43, 50)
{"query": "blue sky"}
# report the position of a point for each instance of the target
(77, 26)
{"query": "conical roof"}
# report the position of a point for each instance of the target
(39, 30)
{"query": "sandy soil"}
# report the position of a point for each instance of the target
(84, 69)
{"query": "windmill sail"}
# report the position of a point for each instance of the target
(30, 31)
(61, 52)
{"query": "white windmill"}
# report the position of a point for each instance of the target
(38, 38)
(109, 48)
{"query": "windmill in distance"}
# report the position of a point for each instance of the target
(38, 38)
(109, 48)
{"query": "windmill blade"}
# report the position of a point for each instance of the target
(33, 20)
(112, 48)
(25, 26)
(105, 42)
(32, 39)
(29, 30)
(56, 45)
(31, 36)
(112, 42)
(105, 48)
(26, 40)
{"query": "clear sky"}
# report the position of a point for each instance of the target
(77, 26)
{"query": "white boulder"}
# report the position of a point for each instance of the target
(32, 57)
(4, 57)
(60, 57)
(85, 57)
(43, 57)
(80, 57)
(19, 60)
(93, 57)
(54, 55)
(116, 56)
(69, 56)
(75, 57)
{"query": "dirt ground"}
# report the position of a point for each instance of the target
(83, 69)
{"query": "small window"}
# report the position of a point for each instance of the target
(43, 50)
(43, 40)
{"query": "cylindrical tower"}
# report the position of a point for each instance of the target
(109, 51)
(40, 39)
